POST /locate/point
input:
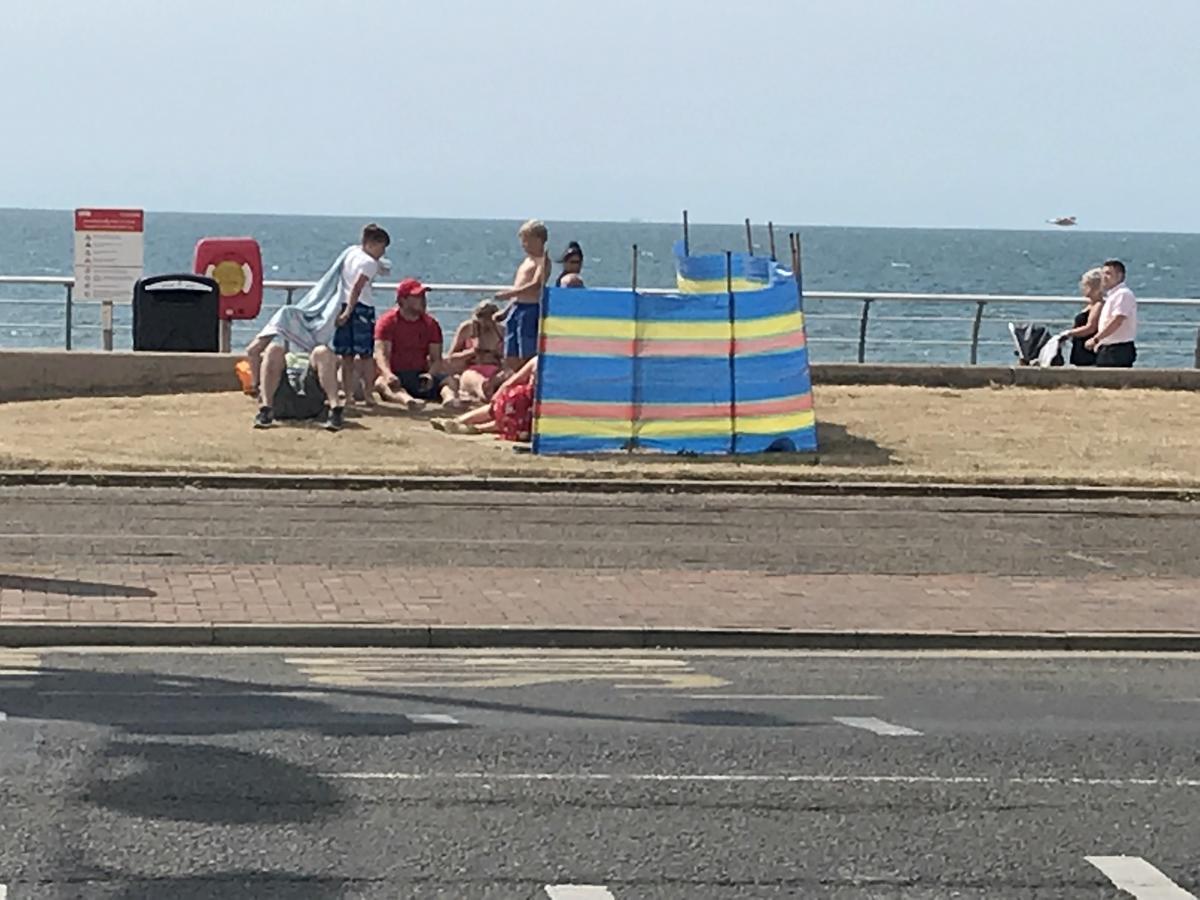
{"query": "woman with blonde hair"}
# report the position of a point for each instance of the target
(1087, 321)
(477, 353)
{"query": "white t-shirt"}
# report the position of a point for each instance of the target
(358, 262)
(1119, 302)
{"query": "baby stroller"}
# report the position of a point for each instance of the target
(1036, 346)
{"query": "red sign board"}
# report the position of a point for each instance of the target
(126, 220)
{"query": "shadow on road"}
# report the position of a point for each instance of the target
(72, 588)
(158, 704)
(209, 784)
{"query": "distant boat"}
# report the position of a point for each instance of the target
(1062, 221)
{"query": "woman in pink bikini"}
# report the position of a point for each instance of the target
(478, 349)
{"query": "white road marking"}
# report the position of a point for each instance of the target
(776, 778)
(878, 726)
(3, 892)
(1135, 876)
(407, 669)
(782, 696)
(575, 892)
(431, 719)
(16, 662)
(1090, 560)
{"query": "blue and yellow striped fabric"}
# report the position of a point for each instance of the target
(706, 274)
(704, 372)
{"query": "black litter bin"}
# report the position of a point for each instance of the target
(176, 313)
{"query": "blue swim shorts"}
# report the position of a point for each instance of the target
(521, 330)
(356, 337)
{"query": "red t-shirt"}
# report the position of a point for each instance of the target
(410, 339)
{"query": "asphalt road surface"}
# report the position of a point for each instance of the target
(321, 775)
(769, 534)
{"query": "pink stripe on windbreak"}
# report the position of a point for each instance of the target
(660, 347)
(623, 412)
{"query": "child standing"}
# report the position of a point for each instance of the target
(523, 315)
(354, 340)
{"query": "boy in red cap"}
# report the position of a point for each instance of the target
(408, 352)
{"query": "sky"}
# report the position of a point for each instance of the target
(923, 113)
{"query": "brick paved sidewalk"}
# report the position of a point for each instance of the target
(261, 594)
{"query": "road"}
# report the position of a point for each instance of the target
(767, 534)
(323, 775)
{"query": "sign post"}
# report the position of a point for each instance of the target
(109, 259)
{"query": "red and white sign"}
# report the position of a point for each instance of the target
(109, 253)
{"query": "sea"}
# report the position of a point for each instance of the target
(476, 251)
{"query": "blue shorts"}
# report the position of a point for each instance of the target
(521, 330)
(356, 337)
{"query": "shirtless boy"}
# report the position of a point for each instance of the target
(522, 315)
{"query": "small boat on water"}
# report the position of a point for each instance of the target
(1062, 221)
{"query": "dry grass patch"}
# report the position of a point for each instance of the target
(877, 433)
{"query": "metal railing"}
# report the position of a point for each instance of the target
(869, 309)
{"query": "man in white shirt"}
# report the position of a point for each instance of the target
(1116, 337)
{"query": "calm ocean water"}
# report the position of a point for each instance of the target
(835, 259)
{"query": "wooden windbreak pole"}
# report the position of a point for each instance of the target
(771, 239)
(749, 238)
(635, 394)
(798, 274)
(732, 353)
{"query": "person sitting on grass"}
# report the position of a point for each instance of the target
(477, 354)
(311, 323)
(408, 353)
(508, 416)
(298, 386)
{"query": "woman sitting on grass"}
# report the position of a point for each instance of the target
(477, 353)
(509, 415)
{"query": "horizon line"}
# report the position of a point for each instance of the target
(1043, 227)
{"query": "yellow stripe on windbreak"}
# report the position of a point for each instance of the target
(581, 326)
(650, 330)
(776, 424)
(568, 426)
(668, 428)
(718, 285)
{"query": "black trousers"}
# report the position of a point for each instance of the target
(1117, 356)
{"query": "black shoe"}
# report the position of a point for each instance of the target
(336, 420)
(265, 418)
